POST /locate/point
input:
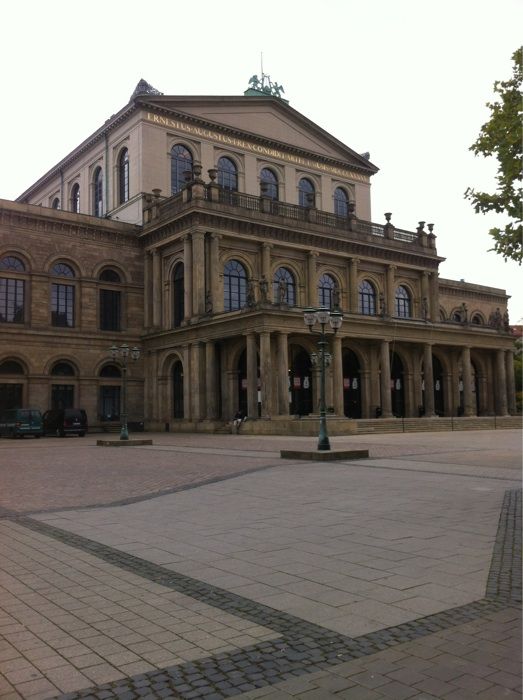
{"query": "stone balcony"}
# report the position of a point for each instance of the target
(213, 198)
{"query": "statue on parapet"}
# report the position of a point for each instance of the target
(264, 289)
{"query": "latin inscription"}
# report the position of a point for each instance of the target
(253, 147)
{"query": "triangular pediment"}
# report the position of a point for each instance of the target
(267, 118)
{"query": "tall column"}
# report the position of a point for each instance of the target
(252, 376)
(283, 375)
(434, 297)
(386, 403)
(511, 383)
(337, 376)
(211, 389)
(198, 273)
(187, 388)
(266, 373)
(365, 393)
(353, 286)
(428, 376)
(187, 273)
(501, 384)
(214, 273)
(391, 289)
(196, 387)
(425, 296)
(147, 290)
(157, 288)
(468, 404)
(454, 379)
(312, 287)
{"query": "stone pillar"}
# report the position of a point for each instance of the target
(252, 376)
(501, 384)
(187, 388)
(390, 292)
(198, 273)
(353, 286)
(482, 385)
(468, 403)
(211, 388)
(434, 297)
(214, 273)
(511, 383)
(386, 403)
(312, 287)
(283, 375)
(147, 290)
(187, 273)
(365, 394)
(411, 405)
(428, 376)
(266, 374)
(195, 387)
(337, 376)
(425, 295)
(157, 289)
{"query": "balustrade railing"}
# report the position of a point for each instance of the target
(171, 205)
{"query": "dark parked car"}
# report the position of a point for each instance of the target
(17, 422)
(65, 421)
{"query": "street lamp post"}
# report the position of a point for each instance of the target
(121, 355)
(334, 319)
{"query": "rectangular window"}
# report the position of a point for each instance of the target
(62, 305)
(109, 403)
(11, 300)
(109, 310)
(10, 396)
(62, 396)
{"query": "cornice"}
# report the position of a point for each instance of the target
(285, 147)
(214, 221)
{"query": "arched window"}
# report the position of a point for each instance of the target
(62, 297)
(178, 295)
(327, 292)
(12, 291)
(234, 286)
(111, 276)
(478, 320)
(403, 305)
(56, 203)
(366, 298)
(63, 369)
(306, 193)
(341, 202)
(11, 367)
(98, 192)
(181, 161)
(123, 177)
(110, 302)
(110, 371)
(227, 174)
(75, 198)
(269, 183)
(284, 287)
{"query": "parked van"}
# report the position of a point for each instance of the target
(65, 421)
(17, 422)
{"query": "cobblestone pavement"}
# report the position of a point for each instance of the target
(394, 577)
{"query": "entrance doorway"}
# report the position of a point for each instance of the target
(301, 383)
(397, 386)
(351, 385)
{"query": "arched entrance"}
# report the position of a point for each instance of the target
(439, 396)
(351, 385)
(397, 386)
(177, 380)
(301, 383)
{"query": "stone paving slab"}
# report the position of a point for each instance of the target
(219, 569)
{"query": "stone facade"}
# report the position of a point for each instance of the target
(208, 266)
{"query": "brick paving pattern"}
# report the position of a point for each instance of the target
(81, 618)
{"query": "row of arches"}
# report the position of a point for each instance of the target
(63, 291)
(98, 205)
(303, 398)
(182, 162)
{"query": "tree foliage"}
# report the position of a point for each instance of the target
(501, 137)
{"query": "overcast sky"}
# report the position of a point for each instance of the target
(406, 80)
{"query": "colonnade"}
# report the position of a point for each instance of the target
(483, 385)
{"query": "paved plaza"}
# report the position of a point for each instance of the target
(208, 567)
